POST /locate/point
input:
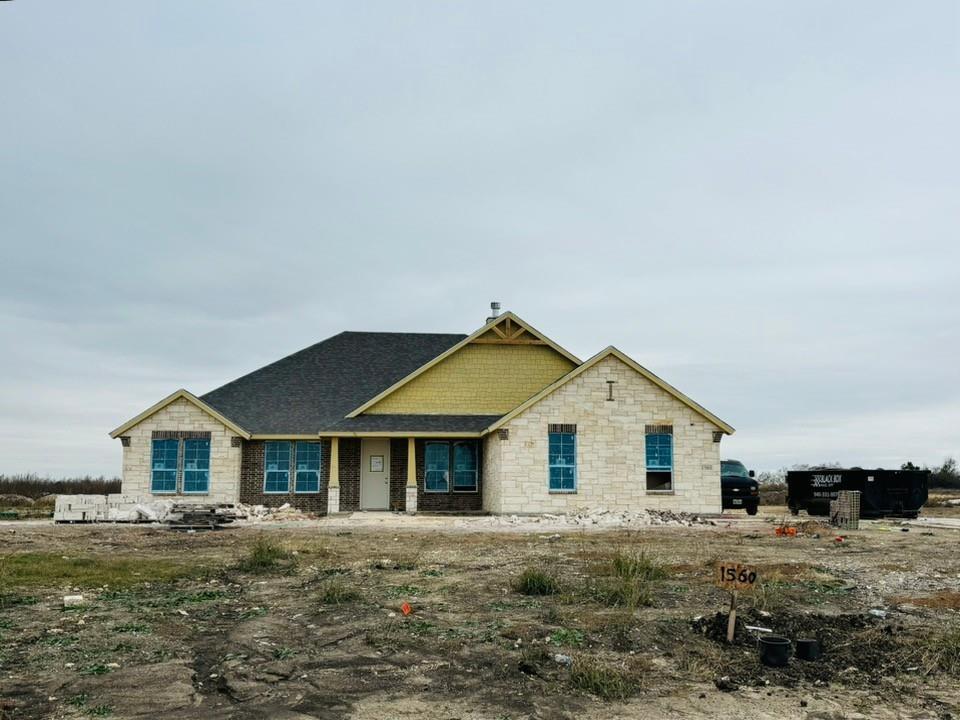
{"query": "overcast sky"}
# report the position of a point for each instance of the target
(758, 201)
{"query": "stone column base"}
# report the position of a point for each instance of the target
(333, 500)
(411, 500)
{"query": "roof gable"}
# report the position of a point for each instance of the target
(631, 363)
(505, 330)
(189, 397)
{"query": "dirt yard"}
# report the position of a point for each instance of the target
(305, 620)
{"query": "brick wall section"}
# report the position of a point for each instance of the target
(449, 501)
(349, 474)
(398, 473)
(251, 481)
(611, 457)
(182, 416)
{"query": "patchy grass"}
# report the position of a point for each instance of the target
(402, 561)
(937, 653)
(944, 600)
(619, 592)
(533, 581)
(283, 653)
(338, 593)
(265, 555)
(637, 566)
(568, 637)
(136, 628)
(605, 681)
(14, 599)
(396, 592)
(52, 570)
(96, 669)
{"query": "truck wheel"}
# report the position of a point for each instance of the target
(752, 510)
(794, 510)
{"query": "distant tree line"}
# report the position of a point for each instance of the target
(33, 486)
(946, 475)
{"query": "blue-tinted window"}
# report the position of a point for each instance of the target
(437, 467)
(276, 466)
(163, 466)
(196, 465)
(465, 467)
(308, 467)
(563, 461)
(659, 452)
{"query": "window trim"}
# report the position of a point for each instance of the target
(296, 471)
(550, 466)
(476, 467)
(176, 468)
(183, 464)
(289, 444)
(671, 489)
(446, 474)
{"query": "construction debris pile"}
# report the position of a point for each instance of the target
(120, 508)
(261, 513)
(605, 518)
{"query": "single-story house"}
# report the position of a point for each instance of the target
(503, 420)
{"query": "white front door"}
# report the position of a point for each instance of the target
(375, 474)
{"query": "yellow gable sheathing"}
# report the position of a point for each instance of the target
(478, 379)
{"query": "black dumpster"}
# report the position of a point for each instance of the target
(899, 493)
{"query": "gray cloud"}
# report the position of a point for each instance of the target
(756, 201)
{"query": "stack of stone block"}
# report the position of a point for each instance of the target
(845, 510)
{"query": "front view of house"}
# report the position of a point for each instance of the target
(503, 420)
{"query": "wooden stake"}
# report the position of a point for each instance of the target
(732, 621)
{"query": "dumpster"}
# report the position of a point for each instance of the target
(896, 493)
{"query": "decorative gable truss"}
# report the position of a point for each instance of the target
(488, 373)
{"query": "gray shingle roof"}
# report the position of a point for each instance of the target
(313, 389)
(415, 423)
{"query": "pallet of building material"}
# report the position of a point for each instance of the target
(845, 510)
(198, 517)
(80, 508)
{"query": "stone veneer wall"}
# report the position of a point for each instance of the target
(251, 481)
(611, 457)
(182, 416)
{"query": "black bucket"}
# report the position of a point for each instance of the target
(774, 650)
(808, 649)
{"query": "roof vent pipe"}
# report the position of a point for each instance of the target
(494, 311)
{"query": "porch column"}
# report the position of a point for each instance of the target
(411, 489)
(333, 487)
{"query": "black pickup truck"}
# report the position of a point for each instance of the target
(738, 489)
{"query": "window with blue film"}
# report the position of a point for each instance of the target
(659, 462)
(276, 467)
(436, 476)
(163, 466)
(196, 465)
(659, 452)
(308, 467)
(465, 467)
(563, 461)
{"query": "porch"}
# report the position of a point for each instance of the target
(375, 472)
(406, 474)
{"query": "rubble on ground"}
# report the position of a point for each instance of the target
(605, 518)
(11, 500)
(261, 513)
